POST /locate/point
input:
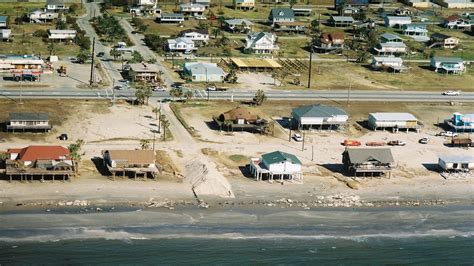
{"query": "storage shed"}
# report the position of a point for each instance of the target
(318, 115)
(394, 121)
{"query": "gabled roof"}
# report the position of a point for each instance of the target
(201, 31)
(399, 18)
(283, 12)
(362, 155)
(180, 39)
(318, 110)
(342, 18)
(33, 153)
(386, 116)
(3, 19)
(388, 59)
(175, 15)
(239, 113)
(440, 36)
(133, 156)
(200, 68)
(455, 158)
(238, 21)
(28, 117)
(278, 157)
(390, 36)
(447, 59)
(62, 31)
(55, 2)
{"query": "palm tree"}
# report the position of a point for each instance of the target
(145, 144)
(140, 96)
(260, 97)
(165, 125)
(115, 53)
(188, 95)
(216, 31)
(176, 92)
(156, 111)
(74, 150)
(274, 76)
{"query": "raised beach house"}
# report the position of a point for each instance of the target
(275, 165)
(28, 122)
(318, 116)
(134, 162)
(368, 161)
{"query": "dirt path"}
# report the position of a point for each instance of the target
(201, 172)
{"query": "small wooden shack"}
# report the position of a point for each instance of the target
(131, 162)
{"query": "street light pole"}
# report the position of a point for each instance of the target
(310, 63)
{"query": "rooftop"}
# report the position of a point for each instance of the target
(144, 67)
(282, 12)
(238, 21)
(255, 62)
(362, 155)
(279, 156)
(390, 36)
(387, 59)
(28, 117)
(342, 18)
(33, 153)
(133, 156)
(448, 59)
(393, 116)
(62, 31)
(318, 110)
(239, 113)
(3, 18)
(456, 158)
(203, 68)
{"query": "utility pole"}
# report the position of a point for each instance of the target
(92, 63)
(159, 121)
(349, 93)
(302, 144)
(289, 126)
(310, 62)
(312, 152)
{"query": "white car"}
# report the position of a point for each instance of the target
(450, 134)
(451, 93)
(211, 88)
(297, 137)
(200, 17)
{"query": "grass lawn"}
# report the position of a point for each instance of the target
(17, 9)
(26, 44)
(338, 75)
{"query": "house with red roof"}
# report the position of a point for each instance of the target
(39, 160)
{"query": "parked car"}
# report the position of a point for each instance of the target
(297, 137)
(375, 143)
(63, 136)
(118, 87)
(451, 93)
(447, 134)
(349, 142)
(396, 143)
(100, 54)
(424, 140)
(158, 89)
(200, 17)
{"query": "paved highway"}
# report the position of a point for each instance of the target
(335, 95)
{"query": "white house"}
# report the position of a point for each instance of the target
(244, 4)
(151, 3)
(192, 9)
(447, 65)
(261, 43)
(171, 18)
(62, 34)
(203, 72)
(56, 6)
(390, 44)
(319, 116)
(3, 21)
(396, 21)
(277, 164)
(42, 16)
(198, 36)
(395, 121)
(390, 62)
(181, 45)
(5, 34)
(456, 162)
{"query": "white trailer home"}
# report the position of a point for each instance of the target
(394, 121)
(456, 162)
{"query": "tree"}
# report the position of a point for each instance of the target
(154, 42)
(157, 112)
(292, 3)
(82, 56)
(315, 26)
(115, 53)
(164, 125)
(260, 97)
(145, 144)
(142, 28)
(51, 48)
(203, 25)
(231, 76)
(73, 8)
(137, 57)
(188, 95)
(142, 93)
(75, 150)
(274, 76)
(216, 31)
(176, 93)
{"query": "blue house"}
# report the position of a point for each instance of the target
(3, 21)
(461, 122)
(203, 72)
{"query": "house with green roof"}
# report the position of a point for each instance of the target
(447, 65)
(3, 21)
(368, 161)
(318, 116)
(277, 165)
(281, 14)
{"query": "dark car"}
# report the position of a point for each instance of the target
(100, 54)
(63, 136)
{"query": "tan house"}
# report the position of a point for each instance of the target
(444, 41)
(143, 72)
(135, 162)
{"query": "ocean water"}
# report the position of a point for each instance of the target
(429, 236)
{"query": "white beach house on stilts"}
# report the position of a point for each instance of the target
(277, 164)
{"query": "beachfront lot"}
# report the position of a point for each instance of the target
(103, 126)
